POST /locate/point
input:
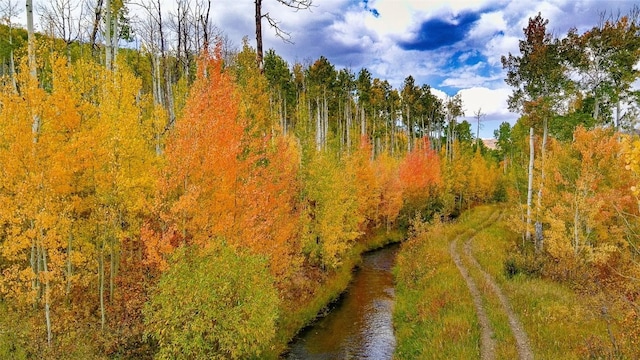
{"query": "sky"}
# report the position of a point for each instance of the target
(454, 46)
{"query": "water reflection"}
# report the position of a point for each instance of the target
(360, 327)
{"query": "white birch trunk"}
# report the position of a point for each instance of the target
(538, 227)
(107, 36)
(115, 40)
(530, 185)
(31, 49)
(101, 286)
(363, 123)
(318, 126)
(47, 301)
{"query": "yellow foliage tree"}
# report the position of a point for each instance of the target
(588, 192)
(330, 223)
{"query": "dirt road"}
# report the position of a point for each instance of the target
(487, 341)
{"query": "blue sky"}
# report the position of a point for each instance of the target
(454, 46)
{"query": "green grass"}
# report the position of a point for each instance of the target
(434, 315)
(559, 322)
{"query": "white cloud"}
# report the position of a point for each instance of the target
(498, 46)
(488, 25)
(349, 35)
(491, 101)
(352, 31)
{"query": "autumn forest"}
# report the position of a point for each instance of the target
(189, 198)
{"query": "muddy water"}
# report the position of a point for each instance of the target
(359, 326)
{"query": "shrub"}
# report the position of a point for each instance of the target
(213, 303)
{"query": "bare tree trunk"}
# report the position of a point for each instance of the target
(35, 130)
(530, 185)
(112, 269)
(96, 25)
(617, 124)
(576, 226)
(12, 65)
(259, 52)
(318, 126)
(363, 123)
(325, 129)
(411, 129)
(448, 143)
(284, 117)
(107, 36)
(479, 115)
(33, 261)
(69, 265)
(115, 39)
(348, 127)
(393, 131)
(103, 318)
(158, 95)
(538, 225)
(504, 163)
(169, 93)
(31, 49)
(205, 26)
(47, 300)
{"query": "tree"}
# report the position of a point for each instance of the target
(604, 58)
(421, 179)
(453, 110)
(482, 180)
(331, 217)
(58, 17)
(154, 38)
(409, 95)
(213, 303)
(432, 112)
(363, 94)
(504, 142)
(346, 87)
(321, 79)
(359, 167)
(478, 115)
(390, 202)
(281, 89)
(10, 10)
(537, 77)
(292, 4)
(588, 204)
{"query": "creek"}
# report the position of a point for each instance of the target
(359, 325)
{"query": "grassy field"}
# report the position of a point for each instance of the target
(434, 314)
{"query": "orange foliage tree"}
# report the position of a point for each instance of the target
(421, 180)
(223, 182)
(390, 202)
(360, 168)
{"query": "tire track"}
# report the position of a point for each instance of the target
(487, 342)
(522, 340)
